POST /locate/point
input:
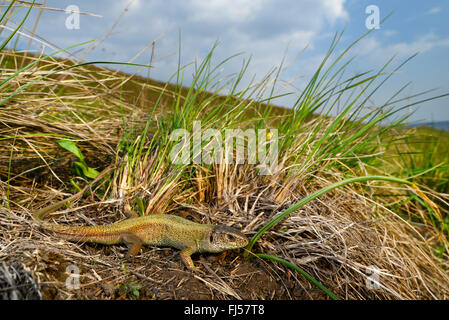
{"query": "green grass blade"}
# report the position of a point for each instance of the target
(3, 45)
(302, 272)
(7, 10)
(313, 196)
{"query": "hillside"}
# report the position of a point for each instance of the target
(440, 125)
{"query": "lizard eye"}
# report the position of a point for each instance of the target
(211, 239)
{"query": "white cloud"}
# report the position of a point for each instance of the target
(238, 24)
(434, 10)
(223, 10)
(390, 33)
(422, 44)
(373, 49)
(262, 28)
(335, 10)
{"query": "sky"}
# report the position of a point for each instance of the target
(265, 31)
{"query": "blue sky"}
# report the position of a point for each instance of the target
(264, 29)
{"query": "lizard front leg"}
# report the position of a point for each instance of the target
(187, 259)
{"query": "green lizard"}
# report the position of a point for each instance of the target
(154, 229)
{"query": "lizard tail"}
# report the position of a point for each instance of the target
(103, 234)
(100, 234)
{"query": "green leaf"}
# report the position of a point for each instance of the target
(75, 185)
(140, 205)
(80, 166)
(71, 147)
(87, 171)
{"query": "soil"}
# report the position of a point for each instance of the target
(155, 273)
(158, 273)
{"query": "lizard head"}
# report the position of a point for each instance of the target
(223, 238)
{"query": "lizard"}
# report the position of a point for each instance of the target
(153, 229)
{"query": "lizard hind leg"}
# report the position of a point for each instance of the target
(133, 242)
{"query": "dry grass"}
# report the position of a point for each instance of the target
(336, 238)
